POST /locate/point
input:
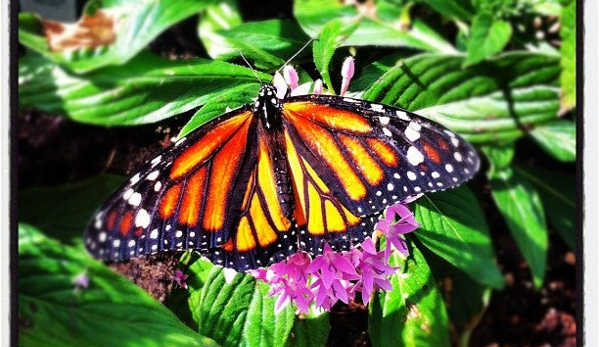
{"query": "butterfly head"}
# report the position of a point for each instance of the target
(268, 108)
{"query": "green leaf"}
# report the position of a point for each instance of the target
(413, 313)
(499, 156)
(332, 35)
(145, 90)
(110, 311)
(388, 25)
(453, 226)
(63, 212)
(568, 55)
(230, 99)
(557, 138)
(465, 299)
(488, 37)
(221, 16)
(235, 310)
(310, 330)
(558, 193)
(489, 102)
(136, 24)
(521, 207)
(267, 43)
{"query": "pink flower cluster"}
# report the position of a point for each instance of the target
(338, 276)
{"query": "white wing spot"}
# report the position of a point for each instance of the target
(134, 179)
(142, 219)
(157, 186)
(135, 199)
(435, 174)
(153, 175)
(396, 175)
(448, 167)
(127, 194)
(411, 175)
(455, 141)
(457, 156)
(384, 120)
(402, 115)
(449, 132)
(412, 131)
(178, 233)
(390, 187)
(414, 156)
(387, 132)
(154, 234)
(377, 108)
(116, 243)
(131, 243)
(181, 140)
(156, 160)
(102, 237)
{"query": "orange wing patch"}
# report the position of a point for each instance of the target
(263, 218)
(324, 144)
(315, 207)
(201, 151)
(384, 152)
(192, 198)
(369, 168)
(331, 117)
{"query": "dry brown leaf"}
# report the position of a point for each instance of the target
(90, 31)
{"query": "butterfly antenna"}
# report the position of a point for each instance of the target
(296, 54)
(251, 67)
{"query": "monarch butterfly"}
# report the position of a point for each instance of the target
(258, 183)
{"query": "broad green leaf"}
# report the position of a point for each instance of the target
(453, 226)
(499, 156)
(230, 99)
(522, 209)
(135, 25)
(557, 138)
(221, 16)
(235, 310)
(110, 311)
(332, 35)
(268, 43)
(568, 55)
(465, 298)
(558, 193)
(460, 9)
(488, 36)
(311, 330)
(385, 27)
(413, 313)
(145, 90)
(488, 102)
(63, 212)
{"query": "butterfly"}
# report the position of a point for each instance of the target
(261, 182)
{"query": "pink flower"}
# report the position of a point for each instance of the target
(393, 230)
(374, 269)
(180, 278)
(347, 72)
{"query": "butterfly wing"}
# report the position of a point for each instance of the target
(212, 191)
(352, 159)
